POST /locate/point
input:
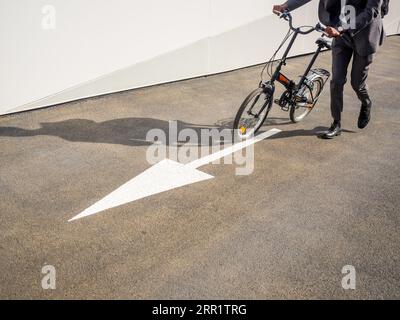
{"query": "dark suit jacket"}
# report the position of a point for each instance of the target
(368, 33)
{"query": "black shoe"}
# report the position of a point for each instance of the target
(365, 116)
(334, 130)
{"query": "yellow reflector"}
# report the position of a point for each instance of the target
(243, 130)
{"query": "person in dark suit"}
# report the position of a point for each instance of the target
(358, 39)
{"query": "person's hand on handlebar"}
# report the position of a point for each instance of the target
(332, 32)
(279, 8)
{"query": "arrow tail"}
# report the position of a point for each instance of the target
(229, 150)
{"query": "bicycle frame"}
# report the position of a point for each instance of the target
(281, 78)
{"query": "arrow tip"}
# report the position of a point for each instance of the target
(163, 176)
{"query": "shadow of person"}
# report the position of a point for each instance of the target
(124, 131)
(133, 131)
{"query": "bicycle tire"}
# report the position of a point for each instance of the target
(297, 118)
(267, 106)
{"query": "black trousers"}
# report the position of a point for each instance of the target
(342, 52)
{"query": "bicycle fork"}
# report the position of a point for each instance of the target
(268, 90)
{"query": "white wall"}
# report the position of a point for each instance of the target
(103, 46)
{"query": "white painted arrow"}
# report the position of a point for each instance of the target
(165, 175)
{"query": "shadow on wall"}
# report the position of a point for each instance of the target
(133, 131)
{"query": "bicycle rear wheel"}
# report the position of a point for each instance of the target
(252, 113)
(310, 97)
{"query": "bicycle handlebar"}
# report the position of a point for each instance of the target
(288, 17)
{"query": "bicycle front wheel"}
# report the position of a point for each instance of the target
(252, 113)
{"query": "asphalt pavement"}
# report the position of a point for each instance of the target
(285, 231)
